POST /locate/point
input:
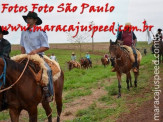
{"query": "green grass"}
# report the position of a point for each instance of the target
(89, 114)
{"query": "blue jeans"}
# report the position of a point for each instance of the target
(135, 63)
(50, 79)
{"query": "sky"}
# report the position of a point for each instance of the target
(133, 11)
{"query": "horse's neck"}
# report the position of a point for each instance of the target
(119, 53)
(14, 71)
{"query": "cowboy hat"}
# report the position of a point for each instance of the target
(3, 32)
(159, 30)
(34, 16)
(73, 53)
(128, 24)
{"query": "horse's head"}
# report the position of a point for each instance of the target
(1, 65)
(3, 105)
(3, 68)
(70, 65)
(82, 60)
(113, 49)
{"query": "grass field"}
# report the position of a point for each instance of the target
(95, 90)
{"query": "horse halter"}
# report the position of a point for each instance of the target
(3, 75)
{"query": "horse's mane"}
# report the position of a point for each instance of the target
(16, 66)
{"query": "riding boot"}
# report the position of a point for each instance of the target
(112, 64)
(47, 94)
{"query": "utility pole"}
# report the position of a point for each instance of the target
(92, 23)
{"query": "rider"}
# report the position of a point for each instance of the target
(73, 56)
(88, 57)
(36, 42)
(128, 38)
(107, 57)
(5, 46)
(53, 57)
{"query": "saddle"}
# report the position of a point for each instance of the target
(129, 50)
(37, 67)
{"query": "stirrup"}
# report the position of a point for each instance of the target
(135, 69)
(49, 99)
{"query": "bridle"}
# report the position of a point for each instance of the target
(4, 75)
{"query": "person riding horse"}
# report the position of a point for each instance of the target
(5, 46)
(87, 56)
(36, 42)
(73, 56)
(127, 38)
(107, 57)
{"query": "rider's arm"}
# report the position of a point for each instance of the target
(7, 48)
(119, 38)
(135, 39)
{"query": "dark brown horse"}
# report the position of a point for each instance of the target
(85, 63)
(123, 64)
(105, 61)
(27, 94)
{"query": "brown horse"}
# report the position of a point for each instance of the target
(85, 63)
(123, 64)
(105, 61)
(27, 94)
(73, 64)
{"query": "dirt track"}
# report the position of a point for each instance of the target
(145, 113)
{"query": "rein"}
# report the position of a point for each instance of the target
(121, 55)
(5, 89)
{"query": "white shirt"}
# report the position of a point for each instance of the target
(33, 40)
(53, 57)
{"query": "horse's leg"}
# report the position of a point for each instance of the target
(14, 114)
(48, 110)
(32, 114)
(119, 84)
(127, 81)
(130, 79)
(136, 77)
(58, 87)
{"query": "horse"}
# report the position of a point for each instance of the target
(85, 63)
(123, 64)
(73, 64)
(105, 61)
(26, 94)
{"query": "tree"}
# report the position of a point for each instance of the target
(92, 23)
(78, 40)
